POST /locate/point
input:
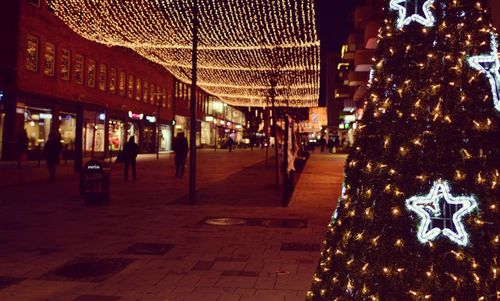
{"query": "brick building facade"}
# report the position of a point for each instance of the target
(96, 97)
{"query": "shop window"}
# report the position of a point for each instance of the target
(67, 130)
(165, 138)
(133, 131)
(37, 124)
(116, 135)
(93, 131)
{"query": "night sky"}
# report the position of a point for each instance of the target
(335, 18)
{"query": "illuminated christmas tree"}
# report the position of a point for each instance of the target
(418, 217)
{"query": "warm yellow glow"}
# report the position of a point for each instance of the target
(242, 43)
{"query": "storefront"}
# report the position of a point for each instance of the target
(165, 137)
(37, 125)
(181, 125)
(147, 143)
(67, 131)
(207, 133)
(134, 126)
(116, 135)
(93, 132)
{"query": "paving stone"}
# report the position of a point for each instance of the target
(88, 269)
(148, 249)
(8, 281)
(295, 246)
(97, 298)
(219, 263)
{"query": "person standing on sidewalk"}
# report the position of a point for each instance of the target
(130, 151)
(230, 143)
(52, 152)
(180, 148)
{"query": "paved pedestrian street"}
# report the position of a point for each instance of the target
(148, 243)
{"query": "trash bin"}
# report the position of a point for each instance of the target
(94, 182)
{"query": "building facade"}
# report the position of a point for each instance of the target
(95, 97)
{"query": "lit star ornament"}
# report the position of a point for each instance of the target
(489, 65)
(448, 214)
(411, 11)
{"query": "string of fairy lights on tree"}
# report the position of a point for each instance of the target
(418, 216)
(234, 39)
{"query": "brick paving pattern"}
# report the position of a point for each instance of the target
(157, 248)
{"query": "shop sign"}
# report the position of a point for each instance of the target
(45, 116)
(349, 118)
(151, 119)
(135, 115)
(209, 118)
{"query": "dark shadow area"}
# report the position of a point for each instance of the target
(253, 186)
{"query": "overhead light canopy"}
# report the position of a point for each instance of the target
(242, 43)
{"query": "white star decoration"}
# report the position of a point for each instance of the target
(404, 19)
(489, 64)
(430, 208)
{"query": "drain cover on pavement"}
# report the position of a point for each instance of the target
(225, 221)
(88, 269)
(148, 249)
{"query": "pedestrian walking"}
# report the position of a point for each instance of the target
(331, 144)
(130, 151)
(52, 152)
(230, 143)
(322, 143)
(180, 147)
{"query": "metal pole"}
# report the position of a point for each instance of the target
(192, 134)
(158, 131)
(275, 128)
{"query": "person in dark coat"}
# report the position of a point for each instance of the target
(322, 143)
(130, 151)
(52, 152)
(180, 148)
(230, 143)
(331, 145)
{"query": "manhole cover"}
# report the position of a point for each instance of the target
(89, 269)
(225, 221)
